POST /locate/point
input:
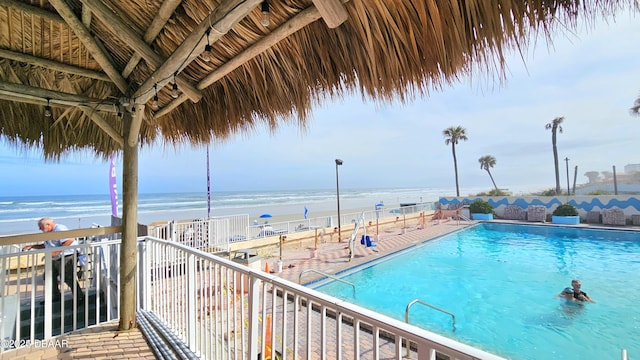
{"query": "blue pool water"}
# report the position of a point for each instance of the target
(500, 279)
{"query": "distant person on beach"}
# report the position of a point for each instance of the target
(574, 293)
(61, 258)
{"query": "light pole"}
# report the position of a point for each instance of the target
(338, 163)
(568, 189)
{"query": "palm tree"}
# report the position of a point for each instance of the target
(486, 163)
(452, 136)
(555, 126)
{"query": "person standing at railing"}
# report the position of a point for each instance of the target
(62, 260)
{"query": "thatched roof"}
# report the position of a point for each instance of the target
(85, 58)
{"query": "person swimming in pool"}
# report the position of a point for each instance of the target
(574, 293)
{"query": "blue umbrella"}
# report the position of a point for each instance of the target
(264, 216)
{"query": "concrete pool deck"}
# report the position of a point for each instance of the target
(333, 257)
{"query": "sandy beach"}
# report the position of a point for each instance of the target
(18, 215)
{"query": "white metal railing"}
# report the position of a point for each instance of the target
(223, 310)
(215, 306)
(213, 234)
(200, 233)
(328, 222)
(27, 307)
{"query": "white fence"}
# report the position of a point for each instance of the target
(224, 310)
(215, 234)
(212, 235)
(27, 307)
(219, 308)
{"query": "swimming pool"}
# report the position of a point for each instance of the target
(500, 279)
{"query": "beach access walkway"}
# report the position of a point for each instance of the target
(106, 342)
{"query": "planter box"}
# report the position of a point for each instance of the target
(566, 220)
(477, 216)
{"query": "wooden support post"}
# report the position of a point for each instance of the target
(128, 257)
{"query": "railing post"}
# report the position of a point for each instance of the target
(48, 295)
(254, 314)
(210, 232)
(172, 231)
(144, 275)
(3, 312)
(191, 301)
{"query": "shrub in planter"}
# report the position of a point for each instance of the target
(481, 210)
(565, 214)
(565, 210)
(480, 207)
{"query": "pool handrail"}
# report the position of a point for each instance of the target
(353, 236)
(329, 276)
(414, 301)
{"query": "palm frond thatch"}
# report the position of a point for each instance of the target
(386, 50)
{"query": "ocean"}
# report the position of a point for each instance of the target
(19, 214)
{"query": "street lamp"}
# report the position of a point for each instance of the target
(338, 163)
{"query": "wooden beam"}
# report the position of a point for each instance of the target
(136, 122)
(33, 10)
(102, 124)
(131, 38)
(304, 18)
(53, 65)
(332, 11)
(164, 14)
(90, 43)
(170, 106)
(86, 17)
(91, 112)
(222, 19)
(35, 95)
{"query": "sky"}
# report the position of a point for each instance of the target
(591, 78)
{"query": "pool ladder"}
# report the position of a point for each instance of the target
(406, 312)
(329, 276)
